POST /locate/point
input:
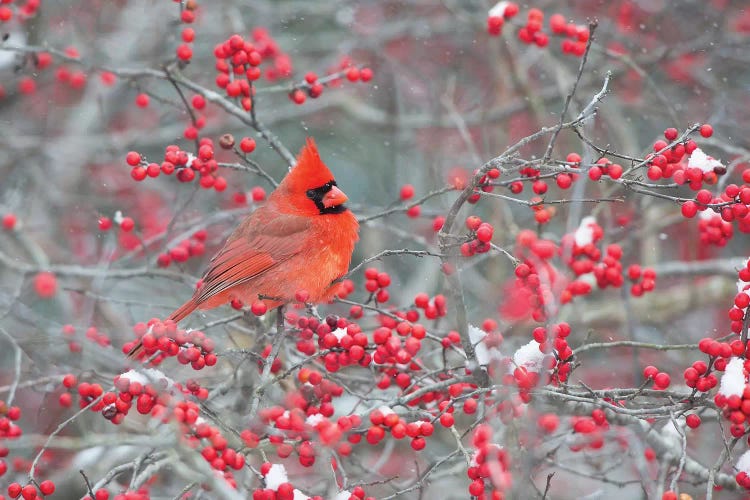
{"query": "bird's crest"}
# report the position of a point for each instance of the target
(310, 171)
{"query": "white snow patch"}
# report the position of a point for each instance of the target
(190, 160)
(339, 332)
(699, 159)
(585, 233)
(147, 375)
(484, 354)
(529, 356)
(157, 375)
(135, 376)
(498, 10)
(298, 495)
(343, 495)
(707, 214)
(276, 476)
(743, 463)
(733, 380)
(8, 59)
(385, 410)
(589, 278)
(671, 433)
(314, 419)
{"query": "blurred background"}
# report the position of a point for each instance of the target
(445, 97)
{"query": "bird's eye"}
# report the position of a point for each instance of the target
(310, 193)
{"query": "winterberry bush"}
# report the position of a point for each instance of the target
(549, 298)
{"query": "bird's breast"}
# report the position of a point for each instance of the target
(324, 257)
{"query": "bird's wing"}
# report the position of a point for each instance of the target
(264, 240)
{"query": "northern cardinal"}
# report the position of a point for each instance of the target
(302, 238)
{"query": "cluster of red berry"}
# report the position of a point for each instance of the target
(575, 37)
(313, 85)
(667, 161)
(480, 236)
(184, 250)
(187, 166)
(162, 339)
(490, 467)
(10, 430)
(589, 431)
(24, 10)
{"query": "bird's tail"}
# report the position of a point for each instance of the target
(182, 311)
(178, 315)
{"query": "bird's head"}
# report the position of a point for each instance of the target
(309, 187)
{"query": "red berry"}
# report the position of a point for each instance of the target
(26, 85)
(127, 224)
(564, 181)
(47, 487)
(539, 187)
(407, 191)
(352, 74)
(693, 420)
(142, 100)
(133, 158)
(661, 380)
(258, 194)
(446, 419)
(153, 170)
(557, 24)
(9, 221)
(29, 492)
(5, 14)
(247, 145)
(494, 25)
(259, 308)
(45, 284)
(484, 233)
(297, 96)
(689, 209)
(199, 102)
(188, 35)
(706, 130)
(476, 487)
(418, 443)
(138, 173)
(614, 171)
(69, 380)
(105, 223)
(184, 51)
(14, 490)
(473, 222)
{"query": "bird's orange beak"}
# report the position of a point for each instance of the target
(334, 198)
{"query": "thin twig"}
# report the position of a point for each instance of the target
(569, 97)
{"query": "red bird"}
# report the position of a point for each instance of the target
(302, 238)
